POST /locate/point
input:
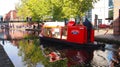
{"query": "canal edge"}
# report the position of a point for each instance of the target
(4, 58)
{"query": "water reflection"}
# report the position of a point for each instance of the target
(12, 52)
(113, 55)
(32, 55)
(15, 34)
(85, 58)
(29, 53)
(74, 57)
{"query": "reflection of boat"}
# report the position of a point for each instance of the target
(71, 34)
(74, 57)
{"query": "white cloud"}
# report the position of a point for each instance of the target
(7, 5)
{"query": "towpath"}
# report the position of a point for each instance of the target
(106, 36)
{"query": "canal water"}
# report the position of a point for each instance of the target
(30, 53)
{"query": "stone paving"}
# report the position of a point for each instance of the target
(106, 35)
(103, 32)
(4, 59)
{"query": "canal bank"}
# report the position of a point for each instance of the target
(106, 36)
(4, 59)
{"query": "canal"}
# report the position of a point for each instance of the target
(30, 53)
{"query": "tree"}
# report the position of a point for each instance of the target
(55, 9)
(110, 13)
(78, 8)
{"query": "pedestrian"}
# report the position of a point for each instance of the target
(88, 25)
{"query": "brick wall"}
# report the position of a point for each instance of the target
(116, 24)
(11, 15)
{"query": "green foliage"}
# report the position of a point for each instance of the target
(31, 36)
(61, 63)
(32, 54)
(54, 9)
(110, 13)
(77, 7)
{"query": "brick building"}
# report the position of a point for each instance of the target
(11, 15)
(116, 24)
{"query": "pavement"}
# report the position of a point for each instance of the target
(103, 32)
(106, 36)
(4, 59)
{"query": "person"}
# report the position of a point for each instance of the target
(1, 18)
(88, 25)
(41, 30)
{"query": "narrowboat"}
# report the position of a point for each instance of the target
(70, 34)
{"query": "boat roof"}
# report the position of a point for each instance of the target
(53, 24)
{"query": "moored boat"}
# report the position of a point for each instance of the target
(71, 34)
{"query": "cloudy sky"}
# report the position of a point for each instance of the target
(7, 5)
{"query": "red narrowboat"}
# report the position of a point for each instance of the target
(70, 34)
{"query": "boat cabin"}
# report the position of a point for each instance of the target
(71, 32)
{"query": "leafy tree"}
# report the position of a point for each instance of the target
(22, 10)
(110, 13)
(55, 9)
(74, 8)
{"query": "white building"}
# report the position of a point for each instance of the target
(101, 10)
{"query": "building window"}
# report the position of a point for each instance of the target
(110, 4)
(89, 15)
(99, 21)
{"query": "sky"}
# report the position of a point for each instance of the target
(7, 5)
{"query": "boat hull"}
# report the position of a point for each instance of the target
(59, 42)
